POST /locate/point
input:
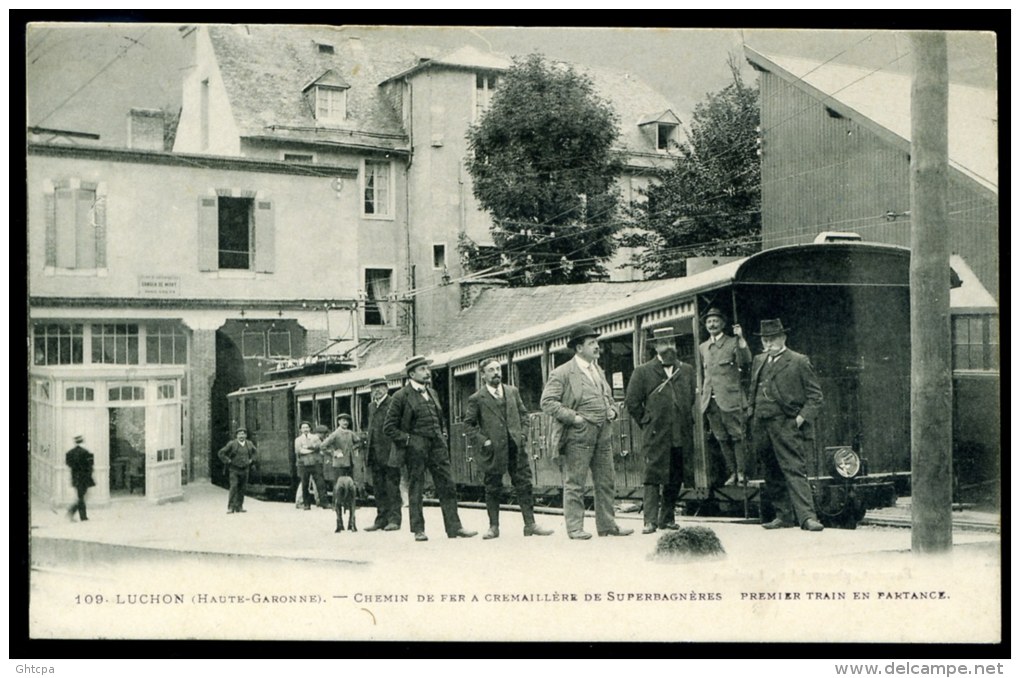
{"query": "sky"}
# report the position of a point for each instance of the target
(85, 77)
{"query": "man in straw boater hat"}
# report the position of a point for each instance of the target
(580, 402)
(660, 398)
(81, 462)
(786, 400)
(414, 422)
(382, 460)
(723, 402)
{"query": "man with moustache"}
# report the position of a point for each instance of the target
(496, 421)
(238, 456)
(383, 461)
(414, 422)
(660, 398)
(723, 403)
(580, 401)
(787, 399)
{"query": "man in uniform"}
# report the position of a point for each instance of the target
(787, 399)
(496, 421)
(238, 455)
(414, 422)
(383, 461)
(81, 461)
(660, 398)
(580, 402)
(723, 403)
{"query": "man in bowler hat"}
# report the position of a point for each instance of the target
(723, 402)
(580, 401)
(81, 461)
(238, 455)
(383, 461)
(786, 400)
(660, 398)
(415, 424)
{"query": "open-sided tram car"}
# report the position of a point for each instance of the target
(847, 305)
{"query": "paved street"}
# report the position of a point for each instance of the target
(187, 569)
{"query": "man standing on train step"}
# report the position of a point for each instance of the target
(787, 399)
(415, 424)
(383, 461)
(723, 402)
(660, 398)
(580, 402)
(496, 421)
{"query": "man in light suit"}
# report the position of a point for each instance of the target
(723, 403)
(416, 424)
(787, 399)
(496, 421)
(383, 462)
(580, 402)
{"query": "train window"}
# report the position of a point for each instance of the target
(305, 411)
(975, 342)
(528, 378)
(617, 362)
(362, 414)
(341, 405)
(324, 412)
(561, 357)
(463, 386)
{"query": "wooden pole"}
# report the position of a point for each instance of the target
(930, 361)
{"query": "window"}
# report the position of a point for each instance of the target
(126, 393)
(115, 344)
(378, 283)
(330, 103)
(168, 454)
(59, 344)
(485, 86)
(377, 189)
(75, 225)
(235, 218)
(665, 136)
(439, 256)
(79, 394)
(976, 342)
(279, 344)
(253, 344)
(166, 345)
(325, 48)
(298, 157)
(165, 391)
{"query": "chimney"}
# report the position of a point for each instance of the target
(145, 129)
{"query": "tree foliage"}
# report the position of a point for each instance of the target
(709, 202)
(542, 165)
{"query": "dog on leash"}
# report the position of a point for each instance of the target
(345, 496)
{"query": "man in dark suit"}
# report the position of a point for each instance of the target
(496, 420)
(81, 461)
(660, 398)
(786, 400)
(383, 461)
(580, 401)
(723, 403)
(415, 424)
(238, 455)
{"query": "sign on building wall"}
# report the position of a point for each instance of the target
(159, 285)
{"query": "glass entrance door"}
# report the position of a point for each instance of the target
(127, 450)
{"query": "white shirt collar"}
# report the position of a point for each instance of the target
(496, 392)
(420, 388)
(582, 363)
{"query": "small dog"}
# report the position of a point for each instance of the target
(345, 495)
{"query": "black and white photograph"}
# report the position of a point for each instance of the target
(482, 333)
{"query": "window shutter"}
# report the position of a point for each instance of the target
(265, 236)
(66, 247)
(50, 209)
(100, 226)
(208, 234)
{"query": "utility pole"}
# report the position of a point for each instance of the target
(414, 314)
(931, 381)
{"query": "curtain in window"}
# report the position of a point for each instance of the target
(378, 292)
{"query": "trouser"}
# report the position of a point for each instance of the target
(386, 483)
(434, 458)
(728, 430)
(663, 513)
(315, 473)
(238, 485)
(782, 448)
(588, 446)
(520, 478)
(79, 506)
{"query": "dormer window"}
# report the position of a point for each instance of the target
(327, 97)
(661, 129)
(665, 136)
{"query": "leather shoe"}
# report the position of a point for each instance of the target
(462, 533)
(241, 511)
(491, 533)
(308, 508)
(616, 532)
(373, 527)
(535, 530)
(812, 525)
(392, 527)
(649, 529)
(669, 526)
(420, 536)
(776, 524)
(580, 534)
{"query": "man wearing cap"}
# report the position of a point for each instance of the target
(660, 398)
(414, 422)
(723, 402)
(81, 461)
(238, 455)
(580, 402)
(383, 461)
(339, 449)
(309, 465)
(496, 421)
(786, 400)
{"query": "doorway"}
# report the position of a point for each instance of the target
(127, 451)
